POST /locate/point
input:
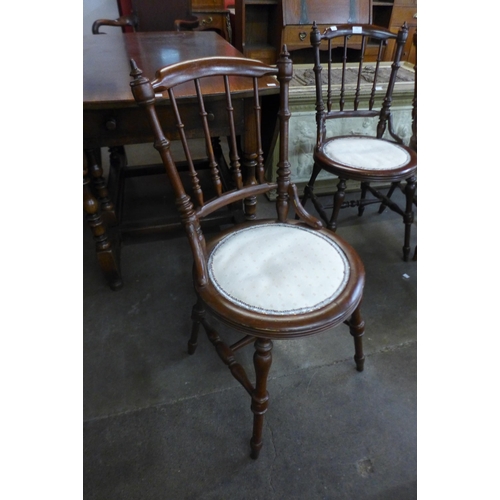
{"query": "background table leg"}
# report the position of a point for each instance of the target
(105, 254)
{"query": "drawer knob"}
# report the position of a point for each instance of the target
(302, 36)
(111, 124)
(207, 21)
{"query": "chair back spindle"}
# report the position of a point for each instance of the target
(195, 182)
(234, 161)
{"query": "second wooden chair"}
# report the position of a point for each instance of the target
(356, 90)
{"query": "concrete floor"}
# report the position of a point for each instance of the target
(160, 424)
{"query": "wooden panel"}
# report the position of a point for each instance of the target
(409, 3)
(201, 5)
(326, 11)
(264, 54)
(401, 15)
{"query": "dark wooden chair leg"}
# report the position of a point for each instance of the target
(411, 185)
(262, 361)
(338, 200)
(308, 190)
(364, 189)
(197, 315)
(357, 330)
(393, 187)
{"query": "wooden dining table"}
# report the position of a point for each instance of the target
(112, 119)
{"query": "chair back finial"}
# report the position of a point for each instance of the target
(134, 69)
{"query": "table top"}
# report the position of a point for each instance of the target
(106, 66)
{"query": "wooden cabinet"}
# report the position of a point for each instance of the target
(213, 15)
(298, 15)
(263, 26)
(404, 11)
(257, 29)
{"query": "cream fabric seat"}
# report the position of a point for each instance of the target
(366, 153)
(278, 269)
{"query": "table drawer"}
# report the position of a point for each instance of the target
(121, 126)
(298, 36)
(211, 20)
(215, 21)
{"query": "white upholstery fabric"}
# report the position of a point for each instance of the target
(366, 153)
(278, 269)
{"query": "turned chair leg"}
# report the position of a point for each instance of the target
(262, 361)
(410, 188)
(357, 330)
(308, 190)
(338, 200)
(197, 314)
(393, 187)
(362, 198)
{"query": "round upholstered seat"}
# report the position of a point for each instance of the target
(366, 153)
(278, 269)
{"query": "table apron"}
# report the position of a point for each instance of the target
(121, 126)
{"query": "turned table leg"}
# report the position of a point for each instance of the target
(105, 254)
(96, 174)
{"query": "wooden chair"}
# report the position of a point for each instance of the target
(380, 159)
(154, 15)
(269, 279)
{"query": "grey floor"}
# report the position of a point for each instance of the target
(160, 424)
